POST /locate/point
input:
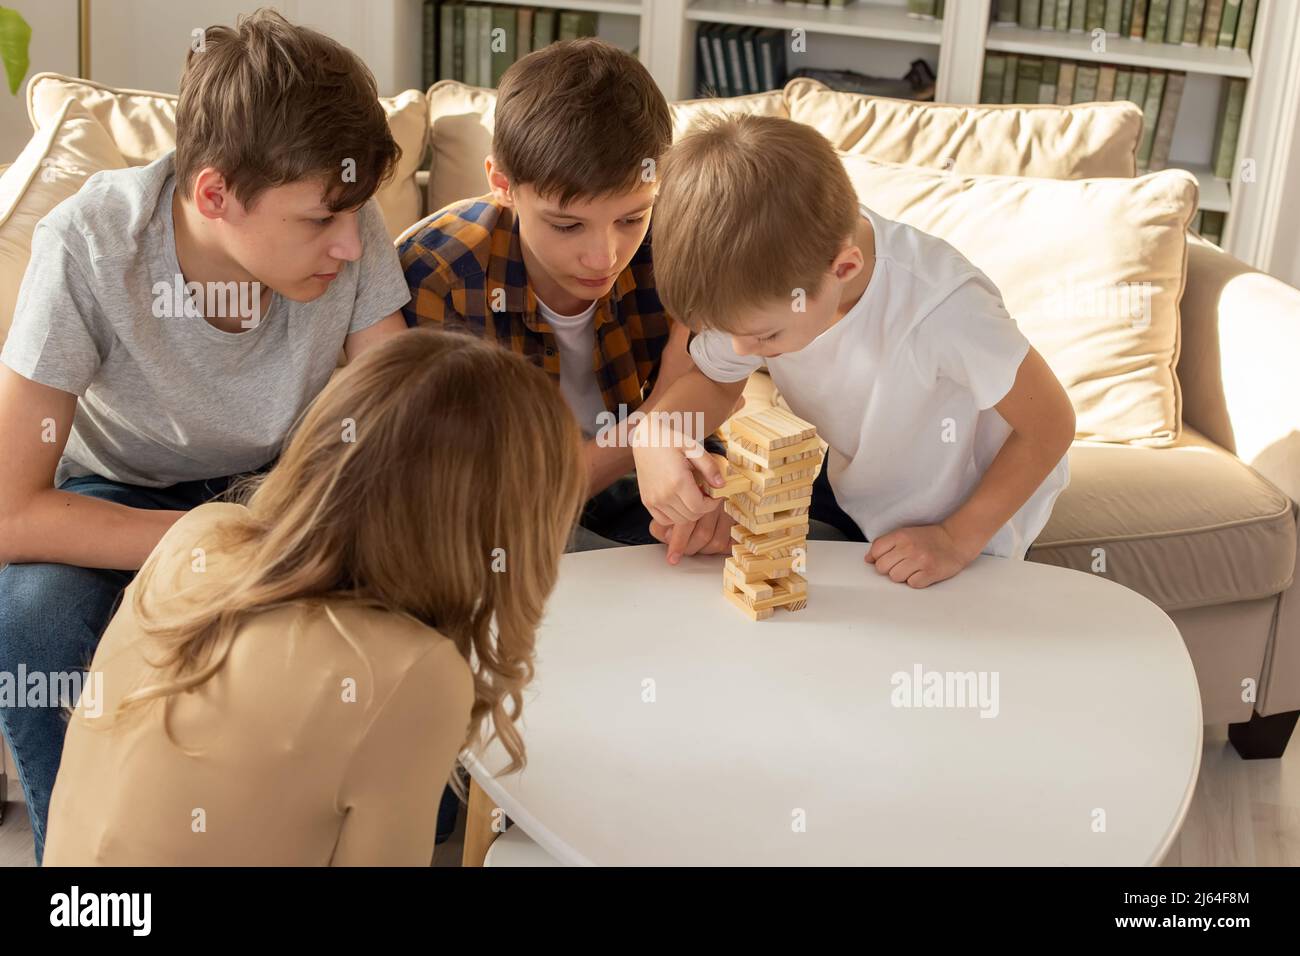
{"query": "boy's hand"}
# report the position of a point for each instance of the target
(710, 535)
(666, 476)
(920, 555)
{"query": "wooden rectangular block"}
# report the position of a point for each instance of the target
(746, 609)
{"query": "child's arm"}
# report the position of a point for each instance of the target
(666, 473)
(1042, 428)
(39, 523)
(608, 462)
(358, 342)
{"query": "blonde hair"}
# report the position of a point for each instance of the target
(461, 448)
(749, 209)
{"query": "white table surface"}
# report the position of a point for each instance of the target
(751, 723)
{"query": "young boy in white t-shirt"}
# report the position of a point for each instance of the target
(947, 430)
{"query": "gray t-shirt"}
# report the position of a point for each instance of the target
(164, 400)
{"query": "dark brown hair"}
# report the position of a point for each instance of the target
(580, 118)
(749, 210)
(268, 103)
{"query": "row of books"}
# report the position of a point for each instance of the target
(1226, 24)
(1020, 79)
(1015, 79)
(476, 43)
(733, 61)
(1209, 224)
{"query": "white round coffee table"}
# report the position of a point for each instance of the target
(665, 728)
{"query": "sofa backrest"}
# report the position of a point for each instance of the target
(143, 125)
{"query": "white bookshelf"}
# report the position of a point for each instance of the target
(880, 38)
(879, 21)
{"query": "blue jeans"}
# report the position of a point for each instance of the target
(51, 619)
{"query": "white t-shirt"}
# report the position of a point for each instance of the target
(576, 337)
(902, 389)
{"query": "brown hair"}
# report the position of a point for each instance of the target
(749, 209)
(268, 103)
(407, 518)
(580, 118)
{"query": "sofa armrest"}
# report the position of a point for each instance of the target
(1239, 366)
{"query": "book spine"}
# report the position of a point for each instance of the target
(1210, 25)
(1106, 80)
(1008, 11)
(1123, 78)
(1246, 25)
(1029, 14)
(1028, 79)
(706, 84)
(485, 46)
(1094, 16)
(748, 46)
(1061, 23)
(1085, 84)
(1009, 78)
(1078, 15)
(1138, 29)
(1126, 18)
(995, 64)
(1114, 14)
(720, 64)
(1177, 20)
(1228, 25)
(1065, 85)
(1225, 153)
(1157, 20)
(524, 32)
(543, 28)
(1150, 114)
(1051, 76)
(504, 41)
(436, 37)
(1173, 97)
(470, 49)
(1192, 26)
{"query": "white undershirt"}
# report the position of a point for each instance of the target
(576, 337)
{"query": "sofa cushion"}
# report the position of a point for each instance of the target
(1090, 269)
(1053, 142)
(143, 125)
(54, 164)
(460, 131)
(1186, 526)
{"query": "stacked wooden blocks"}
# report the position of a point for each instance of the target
(772, 461)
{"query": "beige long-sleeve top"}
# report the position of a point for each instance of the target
(326, 738)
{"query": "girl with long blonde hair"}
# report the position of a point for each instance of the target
(289, 680)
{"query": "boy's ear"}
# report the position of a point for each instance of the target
(498, 182)
(211, 196)
(848, 263)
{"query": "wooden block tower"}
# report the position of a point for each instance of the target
(772, 461)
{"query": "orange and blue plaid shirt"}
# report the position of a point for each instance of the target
(467, 258)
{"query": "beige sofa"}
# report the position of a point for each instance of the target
(1198, 513)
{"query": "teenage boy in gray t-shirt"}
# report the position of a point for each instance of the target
(174, 322)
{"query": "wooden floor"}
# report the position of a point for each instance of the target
(1244, 813)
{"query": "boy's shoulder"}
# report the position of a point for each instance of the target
(933, 267)
(111, 212)
(456, 243)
